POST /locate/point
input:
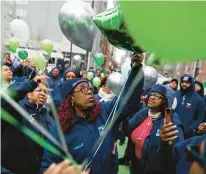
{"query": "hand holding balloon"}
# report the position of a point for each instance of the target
(137, 59)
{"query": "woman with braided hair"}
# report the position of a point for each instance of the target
(153, 138)
(83, 118)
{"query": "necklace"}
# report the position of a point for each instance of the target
(145, 129)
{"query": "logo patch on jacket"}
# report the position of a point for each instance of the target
(158, 133)
(188, 105)
(101, 128)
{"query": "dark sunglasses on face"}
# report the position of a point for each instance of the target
(155, 95)
(85, 90)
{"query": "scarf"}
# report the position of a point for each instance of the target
(66, 114)
(104, 96)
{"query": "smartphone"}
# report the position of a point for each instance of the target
(168, 115)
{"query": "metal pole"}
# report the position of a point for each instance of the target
(71, 55)
(195, 68)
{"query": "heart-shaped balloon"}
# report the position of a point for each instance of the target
(76, 23)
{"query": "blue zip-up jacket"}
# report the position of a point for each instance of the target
(53, 82)
(157, 157)
(19, 153)
(84, 134)
(190, 108)
(183, 164)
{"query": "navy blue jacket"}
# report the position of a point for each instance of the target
(19, 153)
(156, 156)
(53, 82)
(84, 134)
(190, 110)
(183, 165)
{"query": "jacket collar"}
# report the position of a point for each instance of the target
(35, 108)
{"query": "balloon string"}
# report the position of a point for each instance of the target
(31, 134)
(24, 114)
(60, 133)
(34, 136)
(106, 129)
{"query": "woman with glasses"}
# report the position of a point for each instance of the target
(153, 135)
(83, 119)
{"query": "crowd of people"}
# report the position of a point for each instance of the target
(165, 125)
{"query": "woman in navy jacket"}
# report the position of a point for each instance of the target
(153, 139)
(20, 154)
(83, 119)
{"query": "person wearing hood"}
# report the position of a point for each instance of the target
(83, 119)
(190, 105)
(153, 136)
(104, 93)
(54, 78)
(199, 88)
(173, 84)
(69, 74)
(60, 65)
(19, 154)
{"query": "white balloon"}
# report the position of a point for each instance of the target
(20, 30)
(126, 67)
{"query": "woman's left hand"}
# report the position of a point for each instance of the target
(168, 133)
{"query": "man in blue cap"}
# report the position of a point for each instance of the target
(190, 106)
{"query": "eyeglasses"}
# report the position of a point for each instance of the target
(85, 90)
(155, 95)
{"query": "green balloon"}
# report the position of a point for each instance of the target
(154, 61)
(173, 30)
(39, 62)
(47, 46)
(90, 75)
(102, 75)
(23, 54)
(99, 59)
(11, 50)
(96, 82)
(112, 26)
(13, 44)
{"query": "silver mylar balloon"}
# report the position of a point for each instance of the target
(47, 56)
(77, 60)
(76, 23)
(150, 77)
(115, 82)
